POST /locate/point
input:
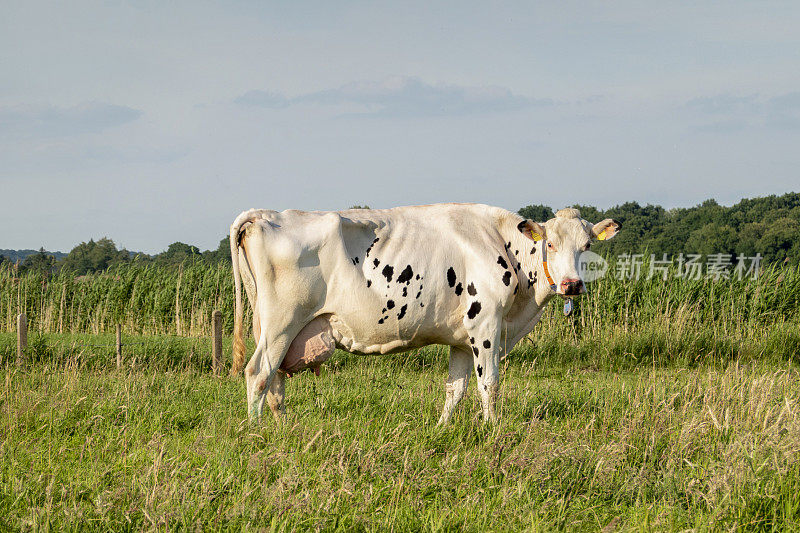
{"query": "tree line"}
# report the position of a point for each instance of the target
(99, 255)
(767, 225)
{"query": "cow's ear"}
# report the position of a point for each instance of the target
(531, 230)
(605, 230)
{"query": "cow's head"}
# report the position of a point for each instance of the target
(563, 239)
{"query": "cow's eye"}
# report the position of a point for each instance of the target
(550, 246)
(588, 245)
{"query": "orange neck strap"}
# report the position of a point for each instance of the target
(544, 265)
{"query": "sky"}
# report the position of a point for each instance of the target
(153, 122)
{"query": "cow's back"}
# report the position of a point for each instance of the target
(386, 279)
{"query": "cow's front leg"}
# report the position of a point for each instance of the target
(457, 380)
(485, 345)
(487, 369)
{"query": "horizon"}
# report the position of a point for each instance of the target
(121, 246)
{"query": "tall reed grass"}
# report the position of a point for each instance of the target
(145, 299)
(152, 300)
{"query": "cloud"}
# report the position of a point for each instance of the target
(50, 121)
(730, 113)
(723, 126)
(403, 96)
(723, 104)
(784, 111)
(787, 102)
(263, 99)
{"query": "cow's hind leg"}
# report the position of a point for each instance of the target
(276, 394)
(277, 332)
(261, 372)
(457, 379)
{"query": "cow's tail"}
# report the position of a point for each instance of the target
(238, 316)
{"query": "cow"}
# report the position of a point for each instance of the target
(473, 277)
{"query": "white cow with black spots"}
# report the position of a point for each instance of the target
(470, 276)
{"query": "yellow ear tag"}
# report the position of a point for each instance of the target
(535, 236)
(602, 236)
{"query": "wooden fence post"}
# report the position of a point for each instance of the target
(22, 337)
(216, 362)
(119, 346)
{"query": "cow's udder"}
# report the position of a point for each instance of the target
(310, 348)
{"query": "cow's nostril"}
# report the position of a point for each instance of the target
(572, 287)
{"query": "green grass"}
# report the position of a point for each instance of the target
(581, 443)
(97, 352)
(656, 406)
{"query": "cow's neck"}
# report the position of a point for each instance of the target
(535, 293)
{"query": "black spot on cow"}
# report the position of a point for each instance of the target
(533, 250)
(383, 310)
(422, 305)
(472, 340)
(416, 277)
(474, 309)
(451, 277)
(405, 292)
(355, 260)
(516, 252)
(402, 312)
(380, 321)
(387, 271)
(487, 344)
(418, 295)
(405, 275)
(480, 371)
(369, 282)
(507, 278)
(390, 304)
(459, 289)
(475, 351)
(376, 263)
(366, 254)
(501, 262)
(508, 245)
(471, 289)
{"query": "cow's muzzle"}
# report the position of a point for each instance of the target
(572, 287)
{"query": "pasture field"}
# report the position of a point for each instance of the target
(588, 437)
(656, 406)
